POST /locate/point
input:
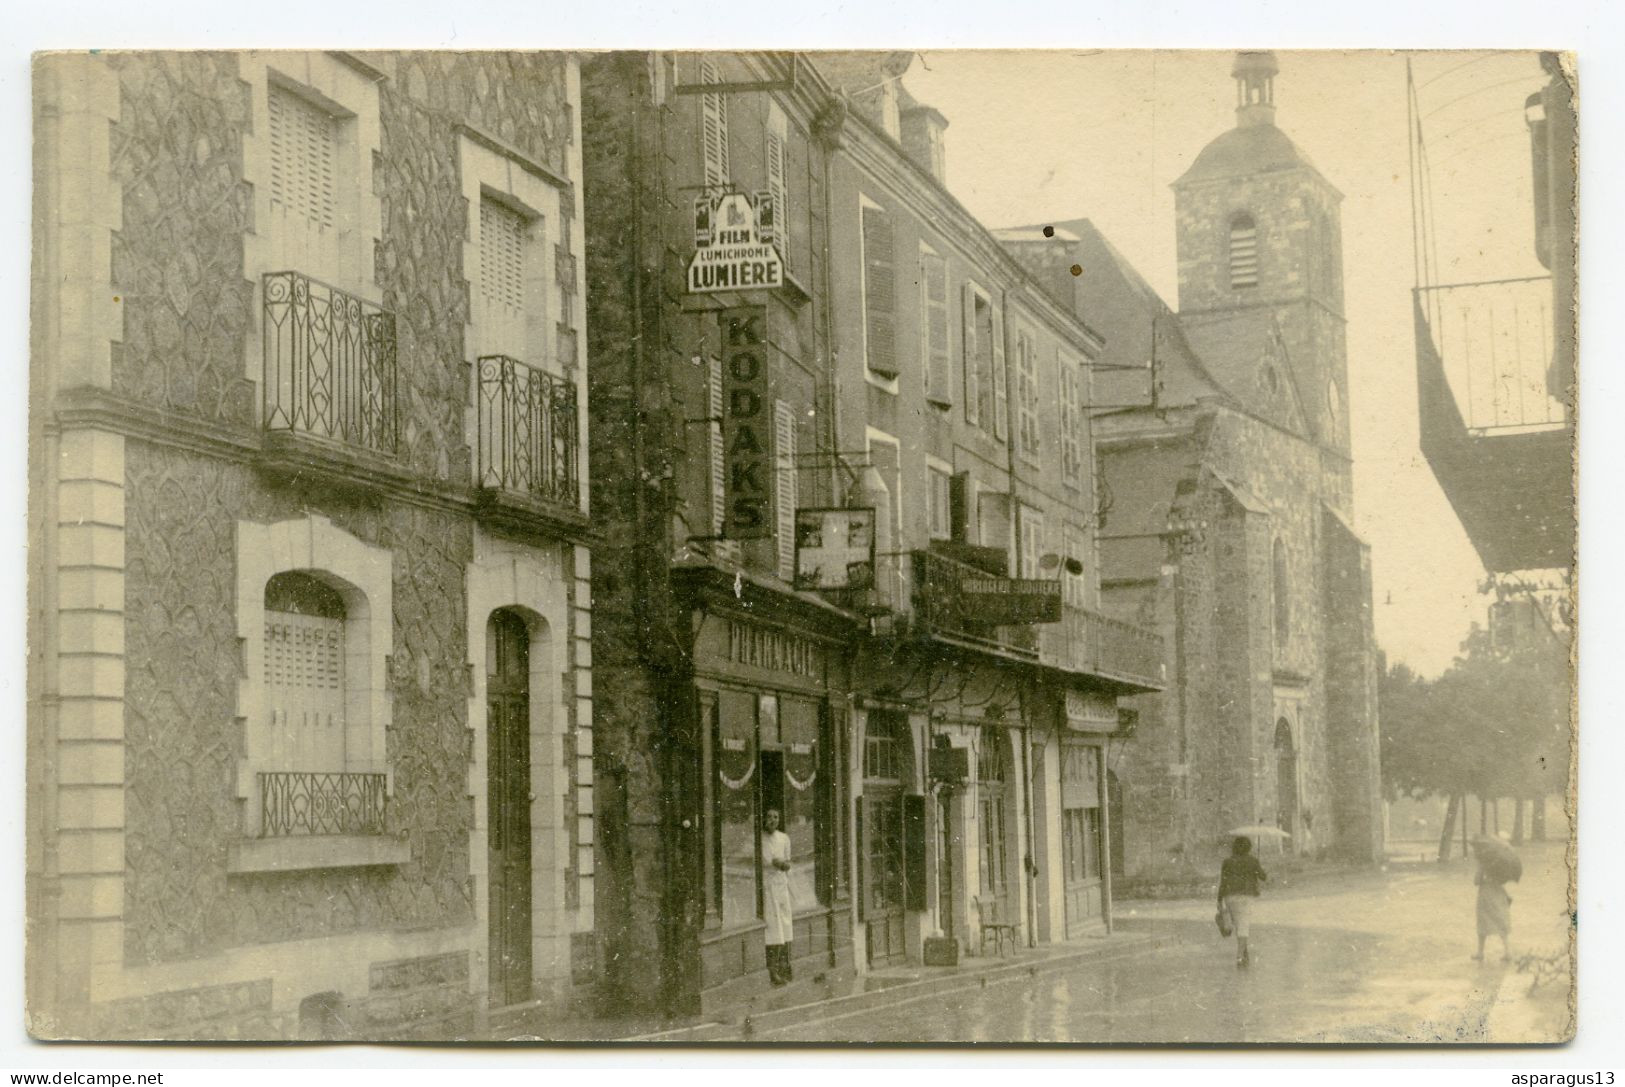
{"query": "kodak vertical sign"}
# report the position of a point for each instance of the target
(747, 425)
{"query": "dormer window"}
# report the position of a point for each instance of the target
(1243, 252)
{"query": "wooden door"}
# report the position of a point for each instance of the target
(508, 799)
(992, 800)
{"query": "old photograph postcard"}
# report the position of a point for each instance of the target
(896, 546)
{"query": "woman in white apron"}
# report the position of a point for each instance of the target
(776, 900)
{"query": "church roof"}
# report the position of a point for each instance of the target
(1248, 149)
(1119, 303)
(1234, 347)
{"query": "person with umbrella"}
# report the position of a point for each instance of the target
(1240, 879)
(1498, 864)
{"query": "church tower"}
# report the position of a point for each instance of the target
(1259, 234)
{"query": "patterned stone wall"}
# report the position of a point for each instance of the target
(182, 742)
(626, 391)
(177, 260)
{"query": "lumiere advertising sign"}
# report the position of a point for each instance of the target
(735, 244)
(747, 425)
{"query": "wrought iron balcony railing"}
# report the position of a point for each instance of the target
(939, 605)
(329, 363)
(299, 804)
(528, 431)
(1494, 342)
(1087, 642)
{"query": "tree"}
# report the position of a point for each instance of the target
(1496, 723)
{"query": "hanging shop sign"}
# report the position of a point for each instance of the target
(835, 548)
(1010, 601)
(734, 244)
(747, 425)
(1090, 711)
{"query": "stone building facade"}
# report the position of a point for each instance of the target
(941, 770)
(1224, 442)
(310, 616)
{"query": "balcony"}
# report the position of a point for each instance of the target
(527, 448)
(329, 364)
(1098, 645)
(932, 587)
(1498, 440)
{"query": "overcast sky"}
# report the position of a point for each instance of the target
(1102, 134)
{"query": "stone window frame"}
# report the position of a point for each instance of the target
(490, 171)
(363, 577)
(351, 94)
(939, 521)
(873, 377)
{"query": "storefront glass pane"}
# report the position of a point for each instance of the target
(736, 806)
(799, 722)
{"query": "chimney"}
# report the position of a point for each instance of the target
(922, 140)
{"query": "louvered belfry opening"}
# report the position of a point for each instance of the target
(1243, 252)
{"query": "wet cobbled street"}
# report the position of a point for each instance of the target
(1360, 959)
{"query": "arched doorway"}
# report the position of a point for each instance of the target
(1286, 778)
(507, 694)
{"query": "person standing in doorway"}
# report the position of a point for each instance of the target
(776, 901)
(1241, 878)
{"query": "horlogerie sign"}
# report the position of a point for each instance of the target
(734, 245)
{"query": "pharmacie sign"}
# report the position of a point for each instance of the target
(735, 245)
(747, 425)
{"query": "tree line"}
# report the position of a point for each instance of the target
(1496, 723)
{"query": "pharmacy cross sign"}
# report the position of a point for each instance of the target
(734, 245)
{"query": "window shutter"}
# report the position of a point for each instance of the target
(934, 328)
(776, 188)
(879, 293)
(1001, 387)
(302, 147)
(502, 255)
(1071, 420)
(713, 127)
(1027, 396)
(714, 413)
(960, 502)
(973, 377)
(784, 445)
(304, 688)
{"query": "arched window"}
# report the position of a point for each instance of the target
(1279, 589)
(1243, 251)
(304, 672)
(1331, 263)
(1286, 777)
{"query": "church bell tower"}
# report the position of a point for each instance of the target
(1259, 231)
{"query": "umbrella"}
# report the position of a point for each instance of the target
(1500, 861)
(1258, 830)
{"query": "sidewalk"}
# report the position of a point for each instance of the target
(821, 996)
(896, 985)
